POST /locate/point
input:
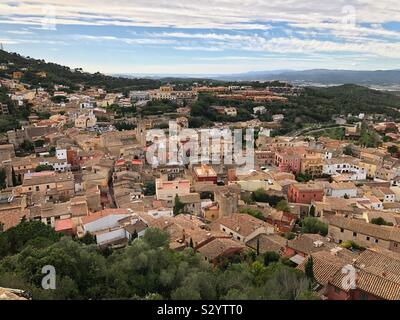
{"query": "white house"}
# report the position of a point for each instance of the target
(345, 165)
(341, 190)
(113, 225)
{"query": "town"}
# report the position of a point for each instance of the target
(321, 197)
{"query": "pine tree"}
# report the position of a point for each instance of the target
(14, 178)
(309, 268)
(312, 211)
(3, 177)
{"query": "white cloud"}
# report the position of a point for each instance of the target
(234, 14)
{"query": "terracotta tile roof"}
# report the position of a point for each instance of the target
(10, 218)
(218, 247)
(325, 265)
(305, 243)
(62, 225)
(268, 243)
(378, 273)
(360, 226)
(244, 224)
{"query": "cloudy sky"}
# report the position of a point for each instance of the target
(205, 36)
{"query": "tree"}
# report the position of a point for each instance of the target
(313, 225)
(309, 268)
(348, 150)
(283, 206)
(3, 178)
(88, 238)
(381, 222)
(260, 195)
(27, 146)
(253, 212)
(270, 257)
(258, 247)
(312, 211)
(15, 181)
(16, 238)
(149, 188)
(178, 205)
(44, 167)
(156, 238)
(393, 150)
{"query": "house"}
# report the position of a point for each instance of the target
(186, 230)
(341, 190)
(221, 247)
(384, 194)
(311, 165)
(282, 221)
(13, 209)
(306, 244)
(259, 110)
(288, 161)
(191, 203)
(305, 192)
(243, 227)
(335, 206)
(345, 165)
(377, 277)
(84, 121)
(52, 185)
(326, 264)
(113, 226)
(64, 226)
(204, 173)
(365, 234)
(268, 243)
(230, 111)
(167, 190)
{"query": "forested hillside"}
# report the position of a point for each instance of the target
(57, 74)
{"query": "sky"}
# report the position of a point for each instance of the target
(204, 36)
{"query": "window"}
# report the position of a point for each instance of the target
(367, 238)
(354, 234)
(37, 188)
(238, 238)
(342, 230)
(376, 240)
(395, 244)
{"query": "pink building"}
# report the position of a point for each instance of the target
(288, 161)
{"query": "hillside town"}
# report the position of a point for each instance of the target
(78, 164)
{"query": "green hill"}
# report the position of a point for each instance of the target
(57, 74)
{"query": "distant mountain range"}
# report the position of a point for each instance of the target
(323, 76)
(315, 76)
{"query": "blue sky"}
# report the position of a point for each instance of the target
(204, 37)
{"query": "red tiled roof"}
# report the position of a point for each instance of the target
(63, 224)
